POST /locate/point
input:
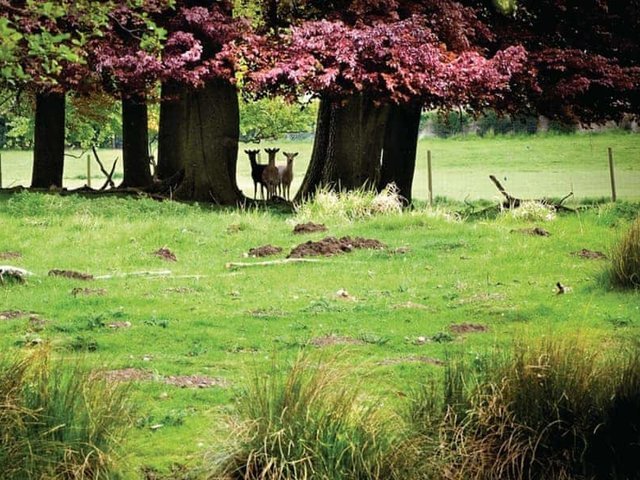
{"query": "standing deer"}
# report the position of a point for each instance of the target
(256, 173)
(270, 175)
(286, 174)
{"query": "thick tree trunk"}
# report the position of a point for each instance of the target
(209, 145)
(48, 153)
(400, 146)
(348, 146)
(172, 118)
(135, 143)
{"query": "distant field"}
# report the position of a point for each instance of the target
(529, 166)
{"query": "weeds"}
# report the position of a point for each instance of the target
(625, 259)
(58, 422)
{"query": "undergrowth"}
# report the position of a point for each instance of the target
(308, 423)
(58, 421)
(555, 410)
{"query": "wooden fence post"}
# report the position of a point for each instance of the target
(89, 171)
(429, 178)
(612, 174)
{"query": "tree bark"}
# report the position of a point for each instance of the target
(208, 144)
(400, 147)
(48, 152)
(172, 118)
(135, 143)
(348, 146)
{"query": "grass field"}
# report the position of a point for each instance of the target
(529, 166)
(228, 325)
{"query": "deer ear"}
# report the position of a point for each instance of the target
(295, 154)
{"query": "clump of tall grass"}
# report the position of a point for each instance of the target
(552, 411)
(350, 205)
(532, 211)
(625, 259)
(307, 423)
(58, 421)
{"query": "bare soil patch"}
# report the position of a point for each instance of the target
(13, 314)
(330, 340)
(128, 375)
(535, 231)
(194, 381)
(468, 328)
(589, 254)
(411, 359)
(330, 246)
(264, 251)
(309, 227)
(166, 254)
(10, 255)
(70, 274)
(88, 292)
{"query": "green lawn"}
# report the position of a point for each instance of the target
(210, 321)
(529, 166)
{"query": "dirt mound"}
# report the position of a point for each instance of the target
(535, 231)
(195, 381)
(589, 254)
(330, 340)
(330, 246)
(309, 227)
(468, 328)
(9, 255)
(70, 274)
(165, 254)
(264, 251)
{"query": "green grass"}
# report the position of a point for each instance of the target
(229, 324)
(548, 165)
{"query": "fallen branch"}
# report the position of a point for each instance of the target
(514, 202)
(109, 175)
(156, 273)
(234, 265)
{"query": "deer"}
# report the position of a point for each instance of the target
(256, 173)
(286, 174)
(270, 175)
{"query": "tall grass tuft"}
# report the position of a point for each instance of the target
(552, 411)
(306, 423)
(625, 259)
(58, 421)
(350, 205)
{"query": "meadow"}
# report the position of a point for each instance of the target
(446, 286)
(531, 166)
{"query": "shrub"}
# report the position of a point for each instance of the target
(625, 259)
(306, 424)
(553, 411)
(58, 421)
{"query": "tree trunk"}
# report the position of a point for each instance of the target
(172, 118)
(400, 146)
(48, 152)
(348, 145)
(135, 143)
(209, 145)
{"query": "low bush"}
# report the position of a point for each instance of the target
(625, 259)
(553, 411)
(306, 423)
(58, 421)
